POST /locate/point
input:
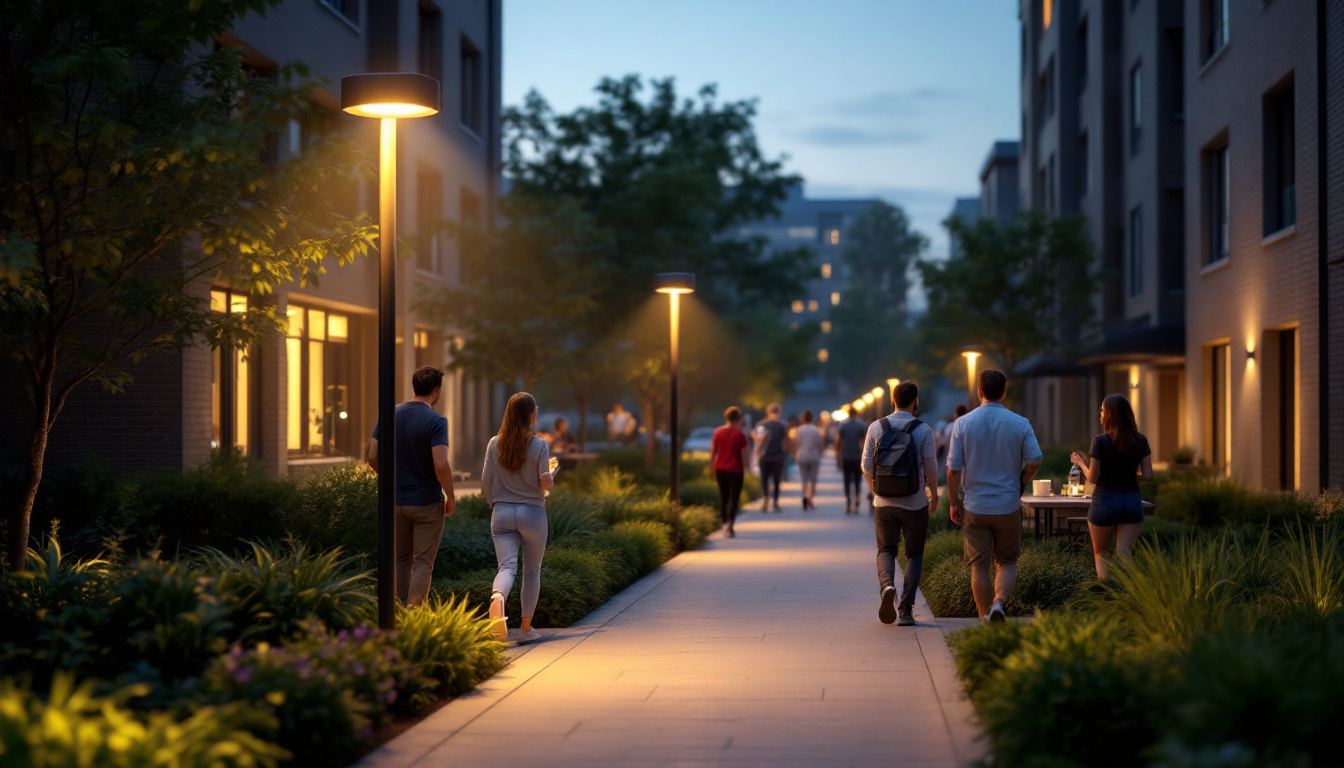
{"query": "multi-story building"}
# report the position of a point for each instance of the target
(1102, 116)
(310, 398)
(968, 210)
(818, 225)
(1264, 235)
(999, 182)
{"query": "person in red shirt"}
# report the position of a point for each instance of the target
(728, 453)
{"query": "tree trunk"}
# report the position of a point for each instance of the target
(583, 422)
(651, 449)
(22, 516)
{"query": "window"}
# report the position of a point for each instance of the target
(835, 299)
(1135, 107)
(318, 377)
(230, 384)
(471, 88)
(825, 326)
(1136, 252)
(430, 48)
(1287, 393)
(423, 341)
(798, 307)
(1082, 56)
(1220, 405)
(823, 355)
(428, 212)
(1280, 161)
(825, 271)
(833, 236)
(1084, 168)
(812, 306)
(1047, 13)
(346, 9)
(1218, 204)
(1214, 13)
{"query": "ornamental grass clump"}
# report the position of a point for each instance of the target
(1311, 570)
(653, 539)
(695, 524)
(450, 645)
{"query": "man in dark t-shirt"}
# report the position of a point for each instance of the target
(770, 453)
(849, 455)
(424, 484)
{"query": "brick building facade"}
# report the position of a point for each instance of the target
(309, 399)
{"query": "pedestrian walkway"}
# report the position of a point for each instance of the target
(759, 650)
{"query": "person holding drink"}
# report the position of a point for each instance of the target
(1119, 460)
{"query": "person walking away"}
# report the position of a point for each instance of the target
(424, 498)
(808, 444)
(770, 454)
(849, 457)
(945, 439)
(518, 472)
(900, 464)
(729, 455)
(1120, 460)
(994, 455)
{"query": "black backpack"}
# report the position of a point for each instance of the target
(896, 461)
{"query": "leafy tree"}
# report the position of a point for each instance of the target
(879, 247)
(1019, 289)
(135, 166)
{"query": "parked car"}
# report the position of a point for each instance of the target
(696, 445)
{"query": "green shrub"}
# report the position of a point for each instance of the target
(50, 613)
(1208, 502)
(574, 581)
(269, 595)
(571, 516)
(980, 651)
(704, 493)
(612, 492)
(1048, 576)
(311, 698)
(1161, 532)
(449, 643)
(72, 728)
(337, 508)
(941, 546)
(472, 507)
(695, 524)
(1074, 690)
(654, 540)
(622, 551)
(1329, 506)
(1244, 700)
(657, 510)
(466, 546)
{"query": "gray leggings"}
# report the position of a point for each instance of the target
(807, 472)
(512, 525)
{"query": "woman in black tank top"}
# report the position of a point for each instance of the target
(1119, 460)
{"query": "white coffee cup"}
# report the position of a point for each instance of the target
(1040, 487)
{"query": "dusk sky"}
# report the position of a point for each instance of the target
(898, 98)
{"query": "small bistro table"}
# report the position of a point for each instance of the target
(1043, 509)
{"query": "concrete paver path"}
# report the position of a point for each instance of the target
(759, 650)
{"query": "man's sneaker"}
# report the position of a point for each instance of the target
(886, 613)
(906, 617)
(996, 613)
(499, 626)
(530, 636)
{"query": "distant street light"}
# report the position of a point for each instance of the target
(388, 96)
(971, 354)
(892, 384)
(674, 284)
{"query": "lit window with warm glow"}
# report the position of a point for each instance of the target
(317, 382)
(1047, 13)
(835, 299)
(230, 417)
(823, 355)
(825, 326)
(833, 237)
(825, 271)
(812, 306)
(797, 307)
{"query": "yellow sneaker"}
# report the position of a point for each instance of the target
(499, 626)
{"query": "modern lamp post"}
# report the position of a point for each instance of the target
(971, 354)
(388, 96)
(674, 284)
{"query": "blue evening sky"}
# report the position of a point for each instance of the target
(893, 98)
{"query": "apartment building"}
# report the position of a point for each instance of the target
(1103, 120)
(1265, 218)
(968, 210)
(999, 182)
(309, 398)
(818, 225)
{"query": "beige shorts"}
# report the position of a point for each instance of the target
(996, 536)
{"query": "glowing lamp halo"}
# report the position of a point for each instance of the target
(390, 94)
(674, 282)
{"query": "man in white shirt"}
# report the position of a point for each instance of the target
(908, 515)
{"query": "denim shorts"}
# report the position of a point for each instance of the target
(1113, 509)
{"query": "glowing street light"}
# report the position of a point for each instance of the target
(971, 354)
(674, 284)
(892, 384)
(388, 96)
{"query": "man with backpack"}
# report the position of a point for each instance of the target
(900, 463)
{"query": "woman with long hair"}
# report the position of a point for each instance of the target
(1120, 460)
(518, 472)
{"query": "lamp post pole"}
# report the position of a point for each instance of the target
(674, 284)
(387, 372)
(388, 96)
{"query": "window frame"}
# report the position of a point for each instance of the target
(471, 108)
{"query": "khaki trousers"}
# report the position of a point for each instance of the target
(419, 531)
